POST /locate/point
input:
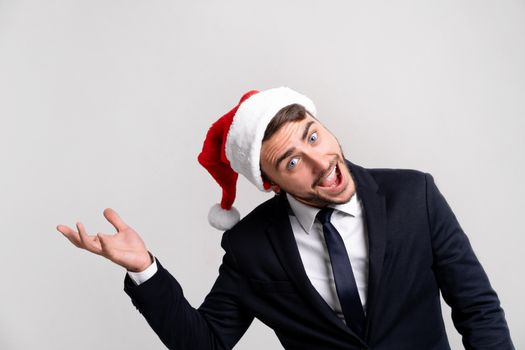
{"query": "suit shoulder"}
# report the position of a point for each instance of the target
(399, 179)
(396, 173)
(247, 241)
(255, 221)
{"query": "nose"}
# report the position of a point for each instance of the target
(318, 162)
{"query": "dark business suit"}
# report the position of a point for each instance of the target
(416, 249)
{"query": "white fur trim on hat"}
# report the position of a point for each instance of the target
(244, 141)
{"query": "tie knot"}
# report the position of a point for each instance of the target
(324, 215)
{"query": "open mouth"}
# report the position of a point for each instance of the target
(333, 180)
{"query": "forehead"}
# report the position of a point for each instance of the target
(290, 131)
(289, 135)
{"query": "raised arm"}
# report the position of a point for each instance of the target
(217, 324)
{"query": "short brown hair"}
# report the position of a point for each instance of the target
(290, 113)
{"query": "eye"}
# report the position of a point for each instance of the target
(292, 163)
(313, 137)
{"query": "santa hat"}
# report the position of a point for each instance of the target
(233, 146)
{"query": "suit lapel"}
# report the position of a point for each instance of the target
(376, 224)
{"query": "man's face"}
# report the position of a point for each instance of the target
(304, 159)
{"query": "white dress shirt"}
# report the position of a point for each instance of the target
(349, 221)
(143, 276)
(308, 232)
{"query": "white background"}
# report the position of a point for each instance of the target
(106, 104)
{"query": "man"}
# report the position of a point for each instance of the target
(342, 258)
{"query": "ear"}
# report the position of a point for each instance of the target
(275, 188)
(270, 185)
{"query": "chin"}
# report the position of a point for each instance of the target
(340, 198)
(321, 200)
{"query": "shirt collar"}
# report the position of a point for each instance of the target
(306, 214)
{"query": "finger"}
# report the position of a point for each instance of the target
(70, 234)
(115, 219)
(87, 241)
(82, 233)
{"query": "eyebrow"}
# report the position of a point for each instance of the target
(291, 150)
(306, 129)
(284, 156)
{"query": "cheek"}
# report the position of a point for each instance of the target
(301, 179)
(330, 142)
(332, 146)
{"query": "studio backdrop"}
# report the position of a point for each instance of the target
(106, 104)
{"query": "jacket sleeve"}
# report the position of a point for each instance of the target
(476, 310)
(217, 324)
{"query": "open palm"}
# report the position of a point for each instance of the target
(124, 248)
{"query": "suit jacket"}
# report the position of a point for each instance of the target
(417, 249)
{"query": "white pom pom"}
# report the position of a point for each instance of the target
(223, 219)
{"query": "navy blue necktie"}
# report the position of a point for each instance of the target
(343, 274)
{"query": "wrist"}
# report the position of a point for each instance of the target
(147, 261)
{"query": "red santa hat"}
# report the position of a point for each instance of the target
(233, 146)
